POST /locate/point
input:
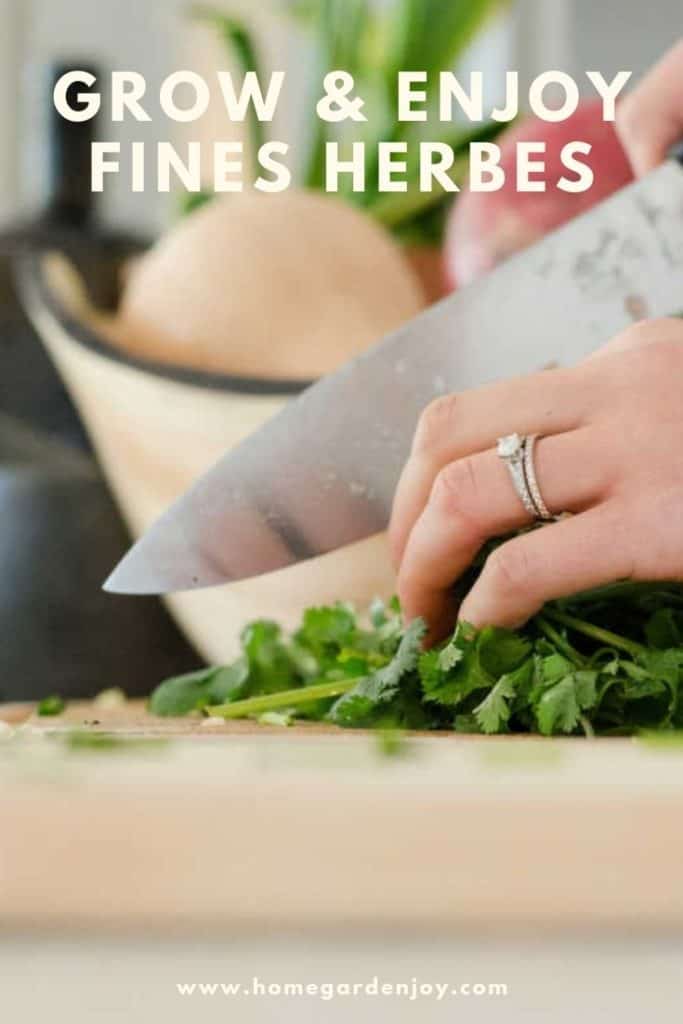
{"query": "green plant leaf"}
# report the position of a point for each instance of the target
(558, 709)
(560, 706)
(492, 680)
(327, 630)
(196, 690)
(381, 687)
(430, 35)
(493, 713)
(242, 48)
(663, 629)
(49, 707)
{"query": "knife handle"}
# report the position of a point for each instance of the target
(677, 153)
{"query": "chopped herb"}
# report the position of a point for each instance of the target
(392, 743)
(82, 739)
(279, 718)
(112, 698)
(606, 662)
(49, 707)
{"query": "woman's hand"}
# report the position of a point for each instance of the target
(611, 453)
(650, 119)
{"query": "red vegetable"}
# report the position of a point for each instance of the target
(487, 227)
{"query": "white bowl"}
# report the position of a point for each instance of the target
(155, 429)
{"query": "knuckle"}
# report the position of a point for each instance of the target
(628, 116)
(395, 542)
(409, 579)
(436, 423)
(456, 488)
(650, 354)
(667, 348)
(662, 359)
(659, 330)
(637, 334)
(402, 584)
(665, 508)
(508, 569)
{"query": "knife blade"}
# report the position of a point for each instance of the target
(322, 473)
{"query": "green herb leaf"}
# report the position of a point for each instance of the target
(663, 629)
(196, 690)
(51, 706)
(600, 663)
(325, 631)
(560, 706)
(558, 709)
(471, 661)
(493, 713)
(382, 686)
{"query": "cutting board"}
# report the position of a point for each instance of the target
(240, 826)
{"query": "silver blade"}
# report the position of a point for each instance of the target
(322, 473)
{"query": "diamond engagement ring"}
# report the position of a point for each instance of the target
(518, 455)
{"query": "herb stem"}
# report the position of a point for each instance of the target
(562, 645)
(603, 636)
(283, 699)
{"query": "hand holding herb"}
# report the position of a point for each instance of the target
(610, 453)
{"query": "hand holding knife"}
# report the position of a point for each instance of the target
(323, 473)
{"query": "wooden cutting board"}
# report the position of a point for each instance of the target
(240, 826)
(132, 719)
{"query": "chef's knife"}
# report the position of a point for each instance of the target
(322, 473)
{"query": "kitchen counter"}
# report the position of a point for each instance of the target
(192, 853)
(516, 832)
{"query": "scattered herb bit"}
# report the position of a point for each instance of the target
(392, 743)
(81, 739)
(607, 662)
(279, 718)
(49, 707)
(662, 740)
(112, 698)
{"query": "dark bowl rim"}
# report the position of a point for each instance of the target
(33, 285)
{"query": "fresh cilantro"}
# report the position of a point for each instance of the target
(51, 706)
(606, 662)
(663, 629)
(325, 630)
(380, 688)
(471, 661)
(494, 711)
(198, 690)
(279, 718)
(559, 708)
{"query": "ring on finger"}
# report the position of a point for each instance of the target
(542, 511)
(518, 455)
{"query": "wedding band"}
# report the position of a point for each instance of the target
(512, 450)
(542, 511)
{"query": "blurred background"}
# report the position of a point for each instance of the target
(66, 417)
(158, 37)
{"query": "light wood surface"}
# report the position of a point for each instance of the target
(239, 827)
